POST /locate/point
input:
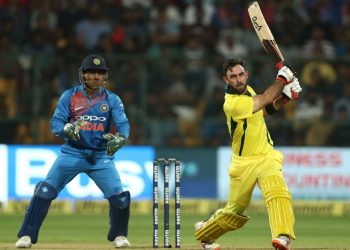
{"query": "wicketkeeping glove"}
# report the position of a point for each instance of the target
(114, 142)
(71, 130)
(291, 91)
(286, 74)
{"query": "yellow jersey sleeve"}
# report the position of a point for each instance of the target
(248, 130)
(239, 107)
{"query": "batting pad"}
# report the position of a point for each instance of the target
(220, 224)
(278, 202)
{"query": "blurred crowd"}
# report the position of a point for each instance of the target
(165, 60)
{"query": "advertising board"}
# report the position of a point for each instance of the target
(310, 172)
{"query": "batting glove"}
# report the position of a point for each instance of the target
(291, 91)
(71, 130)
(114, 142)
(286, 74)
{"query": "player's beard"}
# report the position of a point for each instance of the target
(240, 88)
(93, 86)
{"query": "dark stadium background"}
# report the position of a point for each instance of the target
(165, 60)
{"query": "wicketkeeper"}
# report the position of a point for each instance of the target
(254, 160)
(86, 116)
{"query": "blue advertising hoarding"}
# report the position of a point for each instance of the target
(198, 170)
(21, 167)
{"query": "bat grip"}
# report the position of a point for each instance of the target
(279, 65)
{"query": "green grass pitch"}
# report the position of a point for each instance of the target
(89, 232)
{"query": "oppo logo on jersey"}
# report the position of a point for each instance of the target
(90, 118)
(90, 125)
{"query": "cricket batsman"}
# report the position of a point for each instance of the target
(86, 116)
(254, 160)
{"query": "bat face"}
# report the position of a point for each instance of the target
(264, 33)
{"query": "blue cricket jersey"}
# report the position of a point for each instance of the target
(103, 113)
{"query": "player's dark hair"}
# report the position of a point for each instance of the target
(229, 63)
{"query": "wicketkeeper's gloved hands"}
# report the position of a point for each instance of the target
(291, 91)
(286, 74)
(114, 142)
(71, 130)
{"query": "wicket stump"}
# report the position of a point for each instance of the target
(166, 164)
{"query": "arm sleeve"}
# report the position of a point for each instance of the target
(119, 117)
(61, 115)
(240, 107)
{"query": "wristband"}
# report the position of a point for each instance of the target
(284, 98)
(270, 109)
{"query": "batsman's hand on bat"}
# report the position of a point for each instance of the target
(291, 91)
(286, 74)
(114, 142)
(71, 130)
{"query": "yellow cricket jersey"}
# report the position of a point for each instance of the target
(248, 131)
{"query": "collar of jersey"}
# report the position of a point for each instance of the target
(86, 94)
(230, 91)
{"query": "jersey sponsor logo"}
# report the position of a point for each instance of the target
(94, 123)
(91, 126)
(90, 118)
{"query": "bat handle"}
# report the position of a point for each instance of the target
(279, 65)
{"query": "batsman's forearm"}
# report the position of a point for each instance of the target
(274, 91)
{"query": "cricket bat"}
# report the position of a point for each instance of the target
(264, 33)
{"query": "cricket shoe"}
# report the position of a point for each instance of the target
(121, 242)
(206, 245)
(24, 242)
(281, 243)
(211, 246)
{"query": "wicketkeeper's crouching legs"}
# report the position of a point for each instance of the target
(278, 202)
(37, 210)
(119, 213)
